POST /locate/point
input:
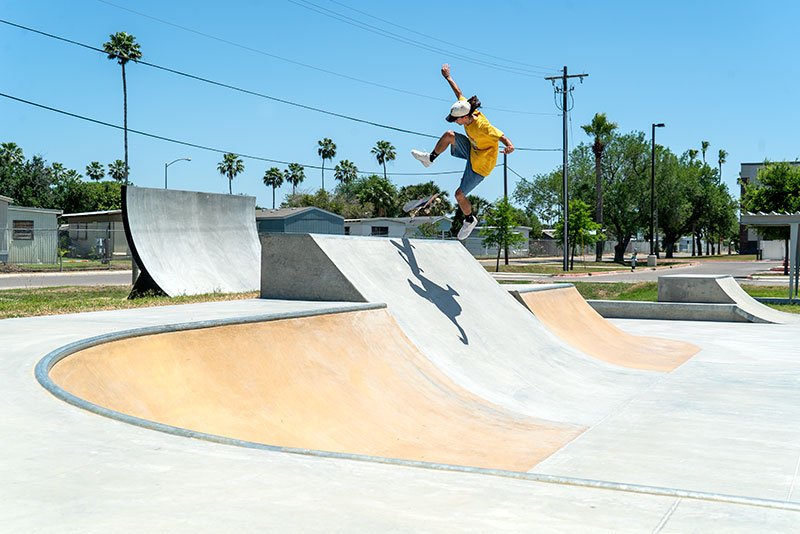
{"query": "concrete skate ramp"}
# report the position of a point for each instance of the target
(719, 289)
(565, 312)
(190, 243)
(347, 382)
(459, 317)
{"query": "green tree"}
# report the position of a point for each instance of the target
(383, 151)
(273, 178)
(601, 129)
(326, 150)
(230, 166)
(423, 190)
(693, 154)
(117, 170)
(704, 148)
(541, 196)
(582, 229)
(345, 172)
(777, 189)
(498, 229)
(11, 155)
(722, 158)
(95, 171)
(380, 193)
(295, 174)
(123, 47)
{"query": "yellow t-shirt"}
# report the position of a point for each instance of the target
(484, 138)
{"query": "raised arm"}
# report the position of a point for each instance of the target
(509, 146)
(453, 86)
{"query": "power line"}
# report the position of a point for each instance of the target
(539, 67)
(203, 147)
(235, 88)
(358, 24)
(305, 65)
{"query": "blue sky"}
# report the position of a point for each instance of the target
(718, 72)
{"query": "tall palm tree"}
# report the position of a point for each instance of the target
(230, 166)
(345, 172)
(703, 148)
(295, 175)
(273, 178)
(11, 154)
(117, 170)
(383, 151)
(326, 150)
(723, 157)
(95, 171)
(123, 47)
(692, 155)
(601, 129)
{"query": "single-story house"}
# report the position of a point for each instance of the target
(28, 235)
(95, 234)
(399, 227)
(306, 220)
(475, 246)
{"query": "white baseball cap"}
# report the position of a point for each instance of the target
(460, 109)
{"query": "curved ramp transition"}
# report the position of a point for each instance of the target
(347, 382)
(565, 312)
(191, 243)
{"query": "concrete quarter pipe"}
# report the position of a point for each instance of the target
(461, 319)
(564, 311)
(191, 243)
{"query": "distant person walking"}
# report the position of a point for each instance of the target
(479, 147)
(633, 260)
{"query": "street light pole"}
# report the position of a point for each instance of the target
(651, 259)
(166, 165)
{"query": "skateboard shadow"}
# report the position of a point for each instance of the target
(441, 297)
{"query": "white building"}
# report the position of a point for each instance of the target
(27, 235)
(399, 227)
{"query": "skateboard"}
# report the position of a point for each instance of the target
(421, 205)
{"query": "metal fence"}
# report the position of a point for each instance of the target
(29, 245)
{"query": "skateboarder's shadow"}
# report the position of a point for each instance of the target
(442, 298)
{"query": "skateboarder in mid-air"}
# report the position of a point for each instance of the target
(479, 147)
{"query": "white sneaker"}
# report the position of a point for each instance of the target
(467, 228)
(422, 157)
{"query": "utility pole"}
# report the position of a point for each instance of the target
(505, 193)
(564, 90)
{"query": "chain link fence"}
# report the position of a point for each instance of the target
(21, 246)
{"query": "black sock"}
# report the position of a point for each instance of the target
(469, 218)
(433, 155)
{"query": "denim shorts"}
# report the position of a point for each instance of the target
(461, 149)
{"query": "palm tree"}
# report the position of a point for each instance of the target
(273, 178)
(692, 155)
(383, 152)
(117, 170)
(230, 166)
(703, 147)
(295, 175)
(723, 157)
(123, 47)
(95, 170)
(602, 130)
(11, 154)
(345, 172)
(326, 150)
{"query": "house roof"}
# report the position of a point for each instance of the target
(6, 199)
(285, 213)
(35, 210)
(91, 213)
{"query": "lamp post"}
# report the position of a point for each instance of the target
(166, 166)
(651, 259)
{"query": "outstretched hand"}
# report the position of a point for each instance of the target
(508, 149)
(446, 70)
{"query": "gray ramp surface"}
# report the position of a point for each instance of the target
(718, 289)
(191, 243)
(464, 321)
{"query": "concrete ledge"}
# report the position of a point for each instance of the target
(673, 311)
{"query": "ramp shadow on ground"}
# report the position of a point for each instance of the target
(441, 297)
